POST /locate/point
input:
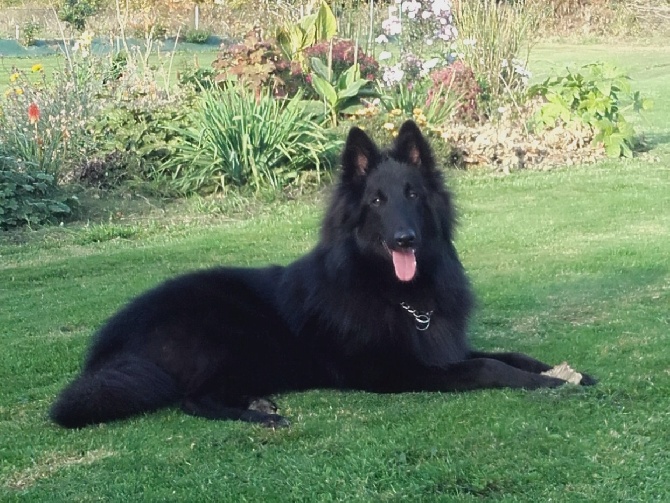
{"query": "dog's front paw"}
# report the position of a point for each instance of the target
(587, 380)
(275, 421)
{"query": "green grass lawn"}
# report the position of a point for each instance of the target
(572, 264)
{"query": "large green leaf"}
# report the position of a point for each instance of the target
(320, 68)
(324, 89)
(353, 89)
(325, 24)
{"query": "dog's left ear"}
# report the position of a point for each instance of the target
(411, 147)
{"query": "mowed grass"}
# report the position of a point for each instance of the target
(572, 264)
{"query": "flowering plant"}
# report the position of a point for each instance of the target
(417, 23)
(417, 27)
(44, 123)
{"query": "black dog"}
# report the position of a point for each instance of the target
(381, 304)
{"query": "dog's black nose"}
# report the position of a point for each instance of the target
(405, 238)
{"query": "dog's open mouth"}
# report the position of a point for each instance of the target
(404, 262)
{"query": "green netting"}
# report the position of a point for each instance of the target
(11, 48)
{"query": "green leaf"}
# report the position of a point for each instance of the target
(325, 23)
(320, 68)
(324, 89)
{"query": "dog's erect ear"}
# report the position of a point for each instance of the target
(360, 154)
(411, 147)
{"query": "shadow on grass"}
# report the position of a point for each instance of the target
(654, 140)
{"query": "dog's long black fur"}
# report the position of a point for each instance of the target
(380, 304)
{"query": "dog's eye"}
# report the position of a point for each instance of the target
(411, 194)
(377, 201)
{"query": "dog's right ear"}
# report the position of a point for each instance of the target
(360, 155)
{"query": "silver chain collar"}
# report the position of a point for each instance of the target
(421, 319)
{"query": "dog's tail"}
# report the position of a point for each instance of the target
(122, 387)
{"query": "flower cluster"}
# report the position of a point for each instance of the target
(417, 21)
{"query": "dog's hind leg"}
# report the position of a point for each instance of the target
(257, 410)
(120, 388)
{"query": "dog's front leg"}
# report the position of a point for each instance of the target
(481, 373)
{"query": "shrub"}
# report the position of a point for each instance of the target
(76, 12)
(196, 78)
(197, 36)
(458, 81)
(256, 63)
(27, 198)
(597, 95)
(29, 32)
(243, 137)
(133, 139)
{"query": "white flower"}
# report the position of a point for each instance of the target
(440, 6)
(411, 7)
(426, 14)
(382, 39)
(392, 75)
(469, 41)
(384, 55)
(429, 64)
(392, 26)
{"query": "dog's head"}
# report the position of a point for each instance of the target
(392, 202)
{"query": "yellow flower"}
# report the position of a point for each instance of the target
(7, 93)
(14, 77)
(417, 111)
(37, 67)
(18, 91)
(389, 126)
(396, 112)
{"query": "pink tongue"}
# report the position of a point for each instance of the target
(405, 264)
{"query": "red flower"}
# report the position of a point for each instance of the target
(33, 113)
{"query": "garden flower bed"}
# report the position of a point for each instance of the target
(459, 71)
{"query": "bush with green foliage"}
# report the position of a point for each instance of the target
(133, 138)
(197, 36)
(239, 136)
(598, 95)
(76, 12)
(257, 63)
(29, 32)
(27, 198)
